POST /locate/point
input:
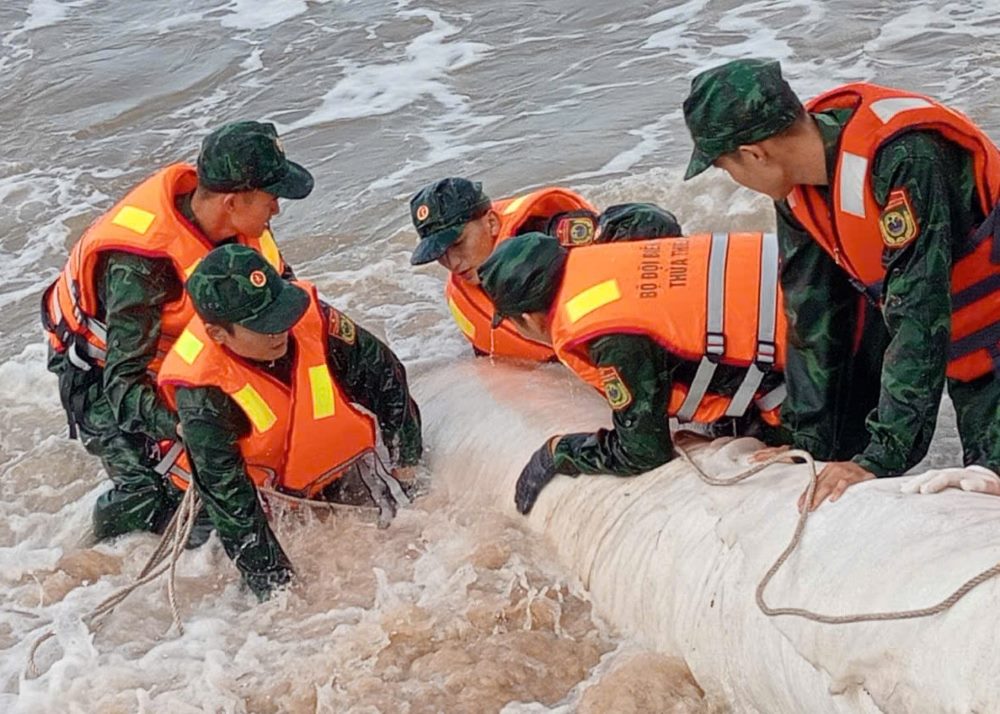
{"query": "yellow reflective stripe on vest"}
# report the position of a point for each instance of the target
(269, 249)
(515, 204)
(591, 299)
(256, 408)
(188, 347)
(135, 219)
(190, 269)
(322, 392)
(464, 324)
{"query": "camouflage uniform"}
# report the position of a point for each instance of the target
(365, 368)
(116, 410)
(523, 276)
(747, 101)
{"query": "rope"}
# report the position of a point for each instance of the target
(938, 608)
(172, 541)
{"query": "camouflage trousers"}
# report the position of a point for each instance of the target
(977, 408)
(140, 499)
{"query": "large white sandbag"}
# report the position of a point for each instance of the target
(674, 562)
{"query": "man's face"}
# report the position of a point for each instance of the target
(758, 171)
(251, 345)
(251, 212)
(472, 248)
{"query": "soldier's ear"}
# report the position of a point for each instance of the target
(216, 333)
(494, 218)
(750, 154)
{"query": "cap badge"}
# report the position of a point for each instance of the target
(422, 212)
(258, 279)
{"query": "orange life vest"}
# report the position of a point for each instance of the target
(472, 308)
(145, 222)
(852, 236)
(709, 298)
(303, 437)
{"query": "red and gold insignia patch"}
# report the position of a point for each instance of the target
(614, 388)
(422, 212)
(898, 223)
(258, 279)
(575, 230)
(342, 328)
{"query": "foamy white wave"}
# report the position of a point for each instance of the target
(384, 87)
(255, 15)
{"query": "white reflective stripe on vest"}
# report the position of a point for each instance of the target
(715, 341)
(853, 170)
(767, 304)
(887, 109)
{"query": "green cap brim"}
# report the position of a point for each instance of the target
(297, 183)
(432, 247)
(698, 163)
(283, 312)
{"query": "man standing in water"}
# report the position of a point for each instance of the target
(459, 226)
(659, 326)
(880, 190)
(265, 379)
(119, 304)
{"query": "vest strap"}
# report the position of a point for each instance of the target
(989, 228)
(985, 338)
(772, 399)
(167, 461)
(767, 303)
(715, 339)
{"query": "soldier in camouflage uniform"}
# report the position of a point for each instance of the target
(114, 407)
(746, 120)
(248, 309)
(523, 278)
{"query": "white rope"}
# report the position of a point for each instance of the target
(174, 537)
(800, 525)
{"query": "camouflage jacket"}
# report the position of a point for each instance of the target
(823, 308)
(370, 375)
(640, 439)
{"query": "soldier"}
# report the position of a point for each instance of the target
(265, 380)
(666, 328)
(880, 190)
(119, 304)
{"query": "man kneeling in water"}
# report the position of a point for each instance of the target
(666, 329)
(265, 379)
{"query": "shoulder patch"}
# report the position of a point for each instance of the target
(342, 327)
(615, 390)
(575, 230)
(897, 222)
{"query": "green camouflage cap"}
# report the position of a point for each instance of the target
(523, 274)
(247, 155)
(440, 212)
(632, 221)
(741, 102)
(235, 284)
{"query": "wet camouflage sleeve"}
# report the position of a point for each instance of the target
(134, 289)
(821, 306)
(938, 177)
(372, 376)
(640, 439)
(213, 425)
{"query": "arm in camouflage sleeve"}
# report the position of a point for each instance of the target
(821, 307)
(937, 178)
(134, 290)
(212, 426)
(640, 439)
(373, 376)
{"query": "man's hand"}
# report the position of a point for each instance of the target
(976, 479)
(538, 472)
(833, 480)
